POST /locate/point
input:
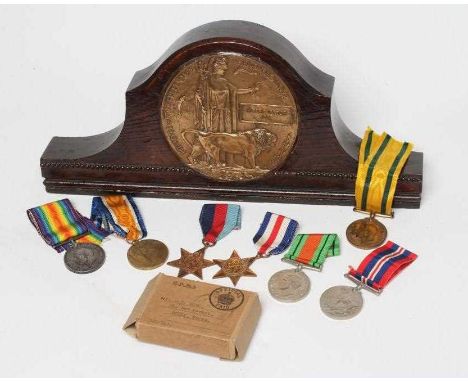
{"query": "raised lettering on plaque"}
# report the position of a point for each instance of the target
(229, 117)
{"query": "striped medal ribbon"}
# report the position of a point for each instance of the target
(311, 250)
(306, 251)
(120, 215)
(381, 266)
(377, 269)
(65, 229)
(381, 160)
(62, 226)
(273, 237)
(216, 221)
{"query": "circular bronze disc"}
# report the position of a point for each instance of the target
(229, 117)
(147, 254)
(366, 233)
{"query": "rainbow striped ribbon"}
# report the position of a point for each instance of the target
(275, 234)
(313, 249)
(381, 159)
(120, 215)
(61, 225)
(218, 220)
(382, 265)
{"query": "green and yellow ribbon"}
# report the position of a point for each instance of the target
(381, 159)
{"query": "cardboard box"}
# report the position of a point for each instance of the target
(196, 316)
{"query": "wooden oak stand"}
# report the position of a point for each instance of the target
(136, 157)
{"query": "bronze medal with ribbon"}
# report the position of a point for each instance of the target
(381, 159)
(120, 215)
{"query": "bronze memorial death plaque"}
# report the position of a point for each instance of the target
(231, 111)
(229, 117)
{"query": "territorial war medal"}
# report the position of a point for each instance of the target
(216, 222)
(273, 237)
(307, 251)
(65, 229)
(373, 274)
(381, 160)
(120, 215)
(366, 233)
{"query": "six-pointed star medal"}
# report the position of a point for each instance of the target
(234, 267)
(191, 263)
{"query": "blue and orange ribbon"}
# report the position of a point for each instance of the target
(61, 225)
(218, 220)
(120, 215)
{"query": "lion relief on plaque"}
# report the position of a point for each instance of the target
(229, 117)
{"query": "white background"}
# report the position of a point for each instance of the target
(64, 71)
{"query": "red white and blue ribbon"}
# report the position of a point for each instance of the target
(218, 220)
(275, 234)
(382, 265)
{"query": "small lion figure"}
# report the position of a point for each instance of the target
(249, 144)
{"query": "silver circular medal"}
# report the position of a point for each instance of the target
(84, 258)
(289, 285)
(341, 302)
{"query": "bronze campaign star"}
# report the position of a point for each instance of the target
(235, 267)
(191, 263)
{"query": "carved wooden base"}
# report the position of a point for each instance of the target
(137, 158)
(202, 193)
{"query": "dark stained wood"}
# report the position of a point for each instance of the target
(136, 158)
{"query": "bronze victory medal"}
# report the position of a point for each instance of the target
(229, 117)
(147, 254)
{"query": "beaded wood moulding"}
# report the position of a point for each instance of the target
(231, 111)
